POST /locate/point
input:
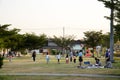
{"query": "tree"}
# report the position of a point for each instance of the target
(3, 34)
(33, 41)
(114, 6)
(7, 36)
(7, 39)
(63, 42)
(42, 40)
(105, 40)
(92, 39)
(117, 19)
(12, 39)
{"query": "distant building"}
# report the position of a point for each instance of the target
(77, 45)
(51, 45)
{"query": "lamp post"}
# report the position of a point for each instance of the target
(111, 31)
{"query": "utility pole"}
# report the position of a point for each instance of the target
(63, 40)
(63, 32)
(111, 31)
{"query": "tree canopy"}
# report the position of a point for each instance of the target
(115, 5)
(63, 41)
(11, 39)
(33, 41)
(92, 38)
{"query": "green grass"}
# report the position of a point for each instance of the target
(52, 78)
(25, 64)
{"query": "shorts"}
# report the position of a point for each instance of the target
(80, 59)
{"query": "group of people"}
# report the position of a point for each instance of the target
(73, 56)
(9, 55)
(108, 63)
(69, 57)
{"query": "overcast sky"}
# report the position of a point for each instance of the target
(50, 16)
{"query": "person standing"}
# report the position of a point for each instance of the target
(10, 55)
(80, 57)
(47, 58)
(67, 59)
(71, 56)
(107, 54)
(74, 57)
(58, 57)
(34, 55)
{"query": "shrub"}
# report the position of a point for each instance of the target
(53, 52)
(1, 61)
(117, 55)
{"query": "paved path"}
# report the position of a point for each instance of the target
(58, 74)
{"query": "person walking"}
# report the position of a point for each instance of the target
(34, 55)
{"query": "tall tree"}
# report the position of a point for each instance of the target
(113, 6)
(117, 19)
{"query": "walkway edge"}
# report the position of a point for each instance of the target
(58, 74)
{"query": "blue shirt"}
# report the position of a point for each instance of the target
(80, 54)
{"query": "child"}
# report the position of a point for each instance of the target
(80, 57)
(47, 57)
(74, 57)
(10, 55)
(97, 62)
(67, 59)
(58, 58)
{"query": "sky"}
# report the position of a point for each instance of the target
(50, 16)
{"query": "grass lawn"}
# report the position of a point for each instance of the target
(25, 64)
(52, 78)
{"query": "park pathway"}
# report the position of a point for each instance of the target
(61, 74)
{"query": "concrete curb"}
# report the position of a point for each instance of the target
(60, 74)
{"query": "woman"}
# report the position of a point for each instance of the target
(34, 56)
(98, 63)
(67, 59)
